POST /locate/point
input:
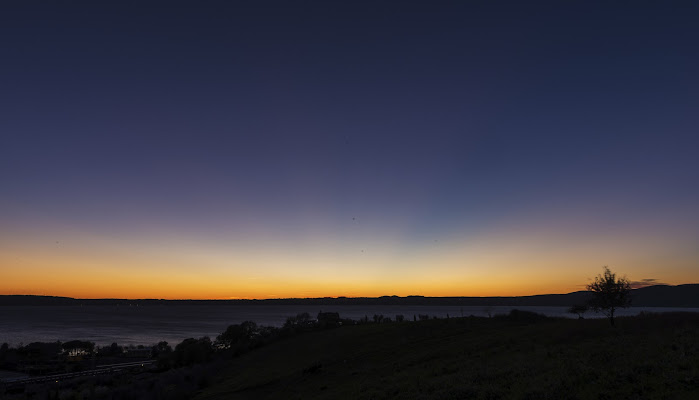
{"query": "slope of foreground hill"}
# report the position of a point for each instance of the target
(518, 357)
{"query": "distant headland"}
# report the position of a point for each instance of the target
(650, 296)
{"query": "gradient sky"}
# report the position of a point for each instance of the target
(303, 149)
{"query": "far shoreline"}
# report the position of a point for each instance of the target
(682, 296)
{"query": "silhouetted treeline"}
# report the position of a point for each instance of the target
(194, 364)
(178, 372)
(40, 358)
(651, 296)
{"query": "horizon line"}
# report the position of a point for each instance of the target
(317, 298)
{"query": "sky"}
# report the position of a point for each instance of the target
(273, 149)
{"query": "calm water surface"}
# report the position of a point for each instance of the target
(147, 325)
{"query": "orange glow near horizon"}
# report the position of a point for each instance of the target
(89, 266)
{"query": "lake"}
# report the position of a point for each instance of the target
(134, 325)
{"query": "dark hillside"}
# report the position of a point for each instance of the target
(649, 357)
(667, 296)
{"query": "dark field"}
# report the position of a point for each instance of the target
(644, 357)
(521, 355)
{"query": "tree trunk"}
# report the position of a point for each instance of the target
(611, 316)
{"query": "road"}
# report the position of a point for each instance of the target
(11, 382)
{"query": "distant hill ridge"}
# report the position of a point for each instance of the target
(650, 296)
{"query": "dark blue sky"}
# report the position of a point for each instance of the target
(396, 124)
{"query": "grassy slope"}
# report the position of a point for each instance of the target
(644, 357)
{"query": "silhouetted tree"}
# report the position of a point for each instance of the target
(302, 320)
(329, 319)
(609, 293)
(112, 350)
(161, 348)
(235, 334)
(164, 354)
(191, 351)
(579, 309)
(40, 351)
